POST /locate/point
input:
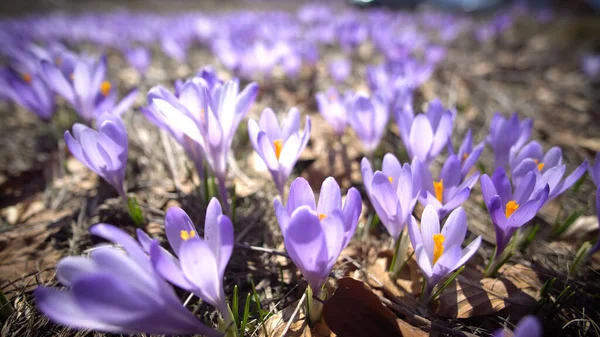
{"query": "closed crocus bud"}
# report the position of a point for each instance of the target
(368, 116)
(439, 252)
(334, 108)
(531, 158)
(103, 151)
(116, 290)
(450, 190)
(200, 263)
(529, 326)
(279, 147)
(316, 233)
(506, 135)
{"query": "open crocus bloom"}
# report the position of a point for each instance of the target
(529, 326)
(333, 107)
(201, 263)
(116, 291)
(467, 154)
(86, 88)
(315, 234)
(426, 135)
(511, 210)
(29, 91)
(368, 117)
(279, 147)
(439, 253)
(450, 190)
(103, 151)
(393, 191)
(532, 158)
(506, 134)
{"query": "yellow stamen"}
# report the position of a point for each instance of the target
(322, 216)
(438, 246)
(540, 166)
(438, 187)
(278, 147)
(511, 207)
(391, 179)
(185, 235)
(58, 61)
(72, 77)
(27, 78)
(464, 157)
(105, 88)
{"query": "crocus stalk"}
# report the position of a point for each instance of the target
(116, 291)
(510, 210)
(439, 253)
(506, 134)
(316, 233)
(103, 151)
(532, 158)
(279, 147)
(450, 190)
(529, 326)
(393, 192)
(426, 135)
(199, 263)
(368, 117)
(334, 108)
(467, 154)
(86, 88)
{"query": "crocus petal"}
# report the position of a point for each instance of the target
(330, 197)
(414, 232)
(69, 269)
(455, 228)
(218, 233)
(267, 152)
(430, 225)
(176, 222)
(120, 237)
(168, 267)
(351, 212)
(269, 123)
(201, 269)
(291, 124)
(423, 261)
(421, 137)
(386, 204)
(469, 251)
(289, 154)
(58, 82)
(570, 179)
(502, 184)
(301, 194)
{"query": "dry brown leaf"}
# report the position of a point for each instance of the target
(276, 324)
(470, 296)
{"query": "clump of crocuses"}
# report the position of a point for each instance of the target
(507, 135)
(279, 147)
(103, 151)
(316, 233)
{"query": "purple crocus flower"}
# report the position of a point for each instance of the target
(393, 191)
(590, 65)
(368, 117)
(29, 91)
(439, 253)
(315, 234)
(204, 120)
(532, 158)
(467, 154)
(334, 109)
(506, 134)
(279, 147)
(116, 291)
(200, 263)
(86, 89)
(139, 58)
(340, 69)
(103, 151)
(529, 326)
(510, 210)
(450, 190)
(425, 135)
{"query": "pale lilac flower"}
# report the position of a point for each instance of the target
(529, 326)
(506, 134)
(86, 88)
(368, 117)
(139, 58)
(393, 191)
(29, 91)
(509, 209)
(426, 135)
(315, 234)
(450, 190)
(200, 263)
(103, 151)
(116, 291)
(439, 253)
(334, 108)
(532, 158)
(467, 154)
(279, 147)
(339, 69)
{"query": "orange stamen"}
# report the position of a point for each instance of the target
(438, 187)
(278, 144)
(511, 207)
(105, 88)
(322, 216)
(27, 78)
(438, 246)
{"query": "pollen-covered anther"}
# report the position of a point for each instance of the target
(322, 216)
(278, 144)
(511, 207)
(540, 166)
(438, 246)
(27, 78)
(438, 187)
(186, 235)
(391, 179)
(105, 88)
